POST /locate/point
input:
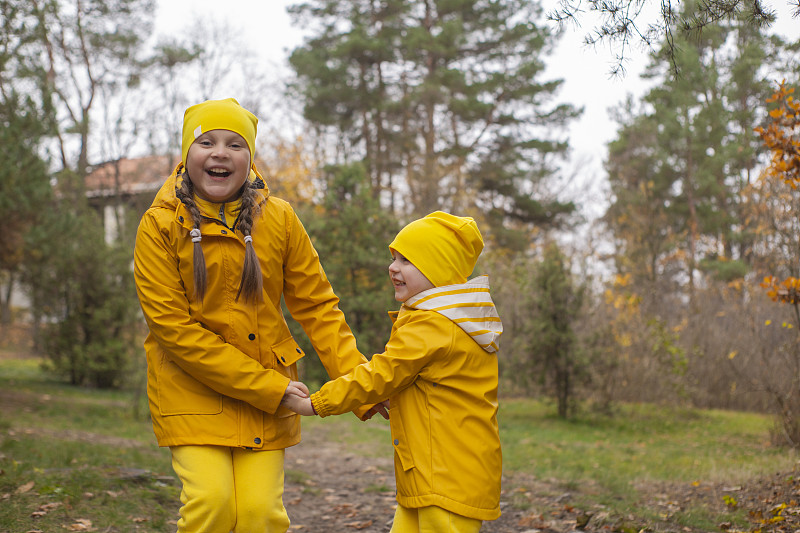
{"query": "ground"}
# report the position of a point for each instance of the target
(332, 488)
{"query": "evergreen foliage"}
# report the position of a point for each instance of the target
(24, 189)
(351, 233)
(444, 102)
(625, 23)
(681, 163)
(80, 288)
(82, 292)
(552, 341)
(542, 353)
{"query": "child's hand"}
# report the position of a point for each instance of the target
(379, 408)
(297, 388)
(301, 406)
(296, 398)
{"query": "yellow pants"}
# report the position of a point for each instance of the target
(432, 520)
(230, 489)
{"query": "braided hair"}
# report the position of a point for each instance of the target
(251, 284)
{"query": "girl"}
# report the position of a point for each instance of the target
(214, 255)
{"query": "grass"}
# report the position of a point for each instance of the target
(113, 475)
(641, 442)
(90, 458)
(609, 461)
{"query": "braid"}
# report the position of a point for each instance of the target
(184, 194)
(252, 283)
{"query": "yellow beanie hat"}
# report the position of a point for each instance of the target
(224, 114)
(442, 246)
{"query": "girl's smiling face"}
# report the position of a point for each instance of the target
(218, 163)
(408, 281)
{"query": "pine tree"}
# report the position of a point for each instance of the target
(695, 159)
(24, 189)
(443, 101)
(552, 346)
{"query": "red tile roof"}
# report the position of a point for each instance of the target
(134, 176)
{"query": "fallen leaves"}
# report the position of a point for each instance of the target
(22, 489)
(359, 525)
(44, 509)
(346, 509)
(80, 524)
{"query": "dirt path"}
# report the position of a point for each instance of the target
(330, 488)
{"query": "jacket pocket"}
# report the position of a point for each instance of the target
(287, 353)
(400, 440)
(181, 394)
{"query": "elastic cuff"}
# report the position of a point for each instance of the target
(318, 405)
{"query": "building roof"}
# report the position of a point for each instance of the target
(124, 176)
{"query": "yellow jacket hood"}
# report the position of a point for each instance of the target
(469, 305)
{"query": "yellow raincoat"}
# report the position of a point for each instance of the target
(217, 370)
(440, 372)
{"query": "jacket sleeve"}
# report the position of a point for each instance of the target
(415, 342)
(311, 301)
(198, 351)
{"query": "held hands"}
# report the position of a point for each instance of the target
(296, 388)
(296, 398)
(381, 408)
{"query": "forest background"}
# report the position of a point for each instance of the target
(683, 290)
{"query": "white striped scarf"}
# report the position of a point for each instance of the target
(469, 305)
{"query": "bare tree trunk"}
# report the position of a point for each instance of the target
(5, 301)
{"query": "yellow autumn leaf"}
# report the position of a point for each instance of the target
(624, 340)
(732, 354)
(767, 322)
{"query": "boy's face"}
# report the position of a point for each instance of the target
(406, 278)
(218, 163)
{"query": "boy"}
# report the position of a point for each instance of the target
(440, 371)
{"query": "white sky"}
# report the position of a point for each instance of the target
(267, 29)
